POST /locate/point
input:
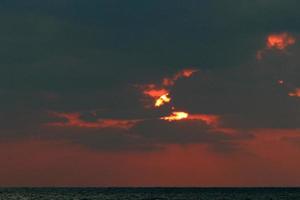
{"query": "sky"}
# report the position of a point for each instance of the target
(149, 93)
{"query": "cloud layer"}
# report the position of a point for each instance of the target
(197, 85)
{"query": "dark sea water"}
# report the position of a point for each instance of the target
(150, 193)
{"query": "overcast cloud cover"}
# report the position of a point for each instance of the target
(89, 57)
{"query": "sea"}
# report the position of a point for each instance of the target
(149, 193)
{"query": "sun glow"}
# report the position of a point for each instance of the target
(160, 92)
(175, 116)
(162, 100)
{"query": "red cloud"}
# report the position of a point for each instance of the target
(155, 93)
(206, 118)
(295, 93)
(160, 93)
(160, 96)
(73, 120)
(176, 116)
(278, 41)
(186, 73)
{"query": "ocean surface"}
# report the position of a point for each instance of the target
(150, 193)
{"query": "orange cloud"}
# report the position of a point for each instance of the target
(295, 93)
(175, 116)
(162, 100)
(73, 120)
(160, 96)
(279, 41)
(179, 115)
(160, 93)
(185, 73)
(155, 93)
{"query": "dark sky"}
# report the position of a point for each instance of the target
(74, 110)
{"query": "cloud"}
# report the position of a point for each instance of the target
(83, 67)
(247, 97)
(149, 135)
(233, 94)
(185, 73)
(176, 116)
(74, 120)
(295, 93)
(206, 118)
(223, 106)
(280, 41)
(277, 41)
(161, 92)
(160, 96)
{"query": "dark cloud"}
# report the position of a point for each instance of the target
(69, 45)
(248, 96)
(146, 136)
(86, 56)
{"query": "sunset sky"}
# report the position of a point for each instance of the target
(150, 93)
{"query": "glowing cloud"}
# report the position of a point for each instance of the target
(155, 93)
(160, 93)
(160, 96)
(74, 120)
(175, 116)
(278, 41)
(179, 115)
(186, 73)
(295, 93)
(162, 100)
